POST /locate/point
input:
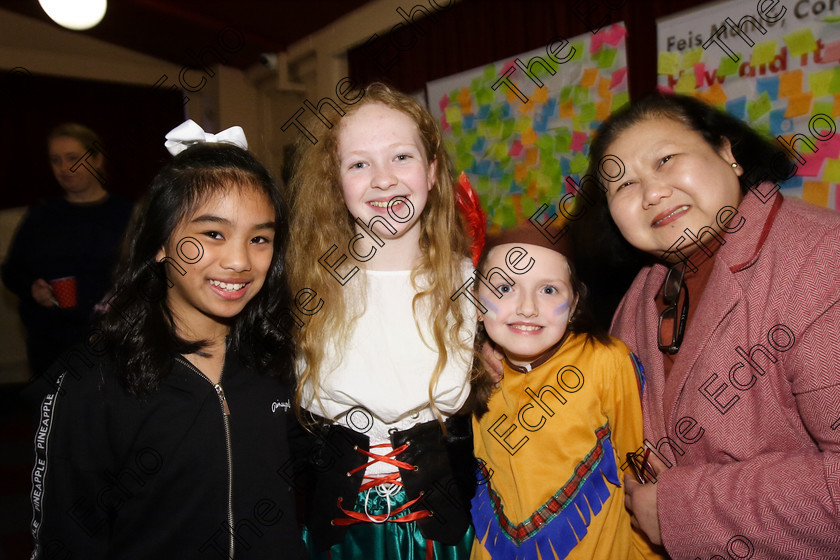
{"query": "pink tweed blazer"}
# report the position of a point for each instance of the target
(749, 417)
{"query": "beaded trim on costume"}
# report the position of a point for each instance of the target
(554, 525)
(639, 369)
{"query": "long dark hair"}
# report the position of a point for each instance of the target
(138, 328)
(760, 159)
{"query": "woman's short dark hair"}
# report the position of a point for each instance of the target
(138, 328)
(761, 160)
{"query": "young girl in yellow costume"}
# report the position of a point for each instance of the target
(554, 437)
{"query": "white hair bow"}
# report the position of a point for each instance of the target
(188, 133)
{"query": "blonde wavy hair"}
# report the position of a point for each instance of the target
(318, 200)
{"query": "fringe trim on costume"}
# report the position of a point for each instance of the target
(559, 524)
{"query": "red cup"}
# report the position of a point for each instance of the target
(65, 291)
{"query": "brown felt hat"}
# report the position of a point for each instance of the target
(555, 238)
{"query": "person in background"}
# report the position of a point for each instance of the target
(61, 258)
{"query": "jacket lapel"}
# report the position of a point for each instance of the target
(738, 254)
(714, 306)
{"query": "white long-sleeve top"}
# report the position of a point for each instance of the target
(381, 379)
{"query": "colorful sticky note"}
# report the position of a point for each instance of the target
(529, 137)
(499, 150)
(587, 111)
(531, 155)
(758, 107)
(576, 47)
(602, 110)
(831, 172)
(520, 171)
(777, 117)
(606, 58)
(515, 148)
(691, 57)
(728, 66)
(589, 77)
(484, 96)
(578, 138)
(579, 163)
(546, 142)
(567, 109)
(453, 114)
(668, 63)
(770, 85)
(618, 77)
(615, 34)
(790, 83)
(830, 147)
(596, 42)
(543, 181)
(686, 84)
(540, 95)
(815, 192)
(794, 182)
(763, 53)
(820, 82)
(715, 94)
(699, 73)
(523, 124)
(620, 99)
(799, 104)
(831, 52)
(507, 127)
(813, 162)
(512, 96)
(603, 88)
(800, 41)
(737, 107)
(563, 141)
(580, 94)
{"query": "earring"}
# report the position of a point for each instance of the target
(734, 164)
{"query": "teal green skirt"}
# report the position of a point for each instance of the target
(389, 540)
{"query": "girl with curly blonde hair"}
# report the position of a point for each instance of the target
(377, 251)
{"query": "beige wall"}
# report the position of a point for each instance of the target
(259, 100)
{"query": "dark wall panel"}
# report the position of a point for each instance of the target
(131, 120)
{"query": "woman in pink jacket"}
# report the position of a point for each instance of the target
(736, 318)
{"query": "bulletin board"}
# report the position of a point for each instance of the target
(779, 84)
(520, 142)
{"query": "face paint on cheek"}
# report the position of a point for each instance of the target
(561, 313)
(492, 308)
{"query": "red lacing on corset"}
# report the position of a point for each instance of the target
(393, 478)
(354, 517)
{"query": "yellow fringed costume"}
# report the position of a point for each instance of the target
(552, 445)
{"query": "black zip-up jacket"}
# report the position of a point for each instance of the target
(116, 476)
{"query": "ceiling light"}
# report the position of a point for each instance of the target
(76, 14)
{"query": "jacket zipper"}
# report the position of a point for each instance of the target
(226, 417)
